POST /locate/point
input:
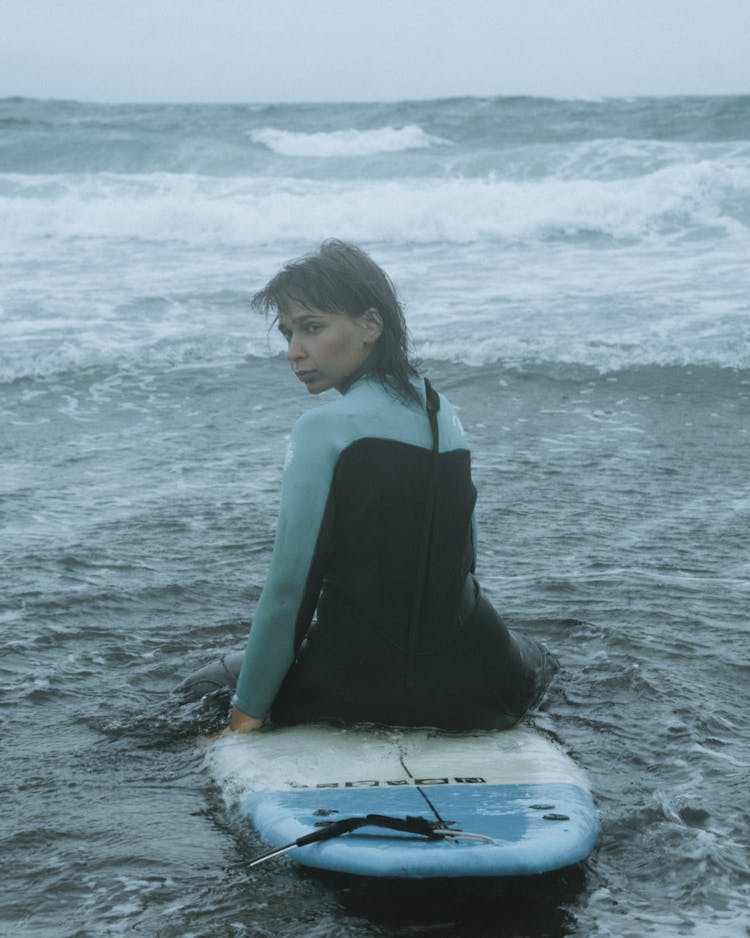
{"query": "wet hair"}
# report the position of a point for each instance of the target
(341, 278)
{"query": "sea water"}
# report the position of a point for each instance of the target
(576, 278)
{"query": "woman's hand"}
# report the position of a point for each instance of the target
(239, 723)
(242, 722)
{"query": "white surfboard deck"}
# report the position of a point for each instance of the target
(515, 787)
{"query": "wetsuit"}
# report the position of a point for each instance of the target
(375, 544)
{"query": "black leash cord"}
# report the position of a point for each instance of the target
(409, 825)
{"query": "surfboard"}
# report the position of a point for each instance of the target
(413, 803)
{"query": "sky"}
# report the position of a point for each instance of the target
(352, 50)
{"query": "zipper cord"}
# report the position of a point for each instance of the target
(433, 406)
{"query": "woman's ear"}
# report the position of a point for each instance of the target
(372, 323)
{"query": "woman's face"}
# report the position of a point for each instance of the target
(325, 349)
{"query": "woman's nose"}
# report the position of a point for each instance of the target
(294, 349)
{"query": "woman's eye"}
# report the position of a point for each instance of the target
(313, 327)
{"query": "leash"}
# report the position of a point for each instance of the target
(433, 830)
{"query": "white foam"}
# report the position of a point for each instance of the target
(676, 201)
(313, 755)
(601, 272)
(242, 764)
(343, 143)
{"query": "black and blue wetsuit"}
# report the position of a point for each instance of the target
(357, 620)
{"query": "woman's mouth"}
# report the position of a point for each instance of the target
(305, 376)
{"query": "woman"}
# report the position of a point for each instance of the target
(370, 611)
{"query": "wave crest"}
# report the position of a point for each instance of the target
(702, 201)
(343, 143)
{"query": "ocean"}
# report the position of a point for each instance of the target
(576, 278)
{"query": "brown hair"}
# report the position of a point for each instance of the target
(342, 278)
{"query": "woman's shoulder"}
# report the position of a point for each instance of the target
(371, 409)
(328, 426)
(364, 408)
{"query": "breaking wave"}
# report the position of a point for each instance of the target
(343, 143)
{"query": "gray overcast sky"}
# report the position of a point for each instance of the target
(283, 50)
